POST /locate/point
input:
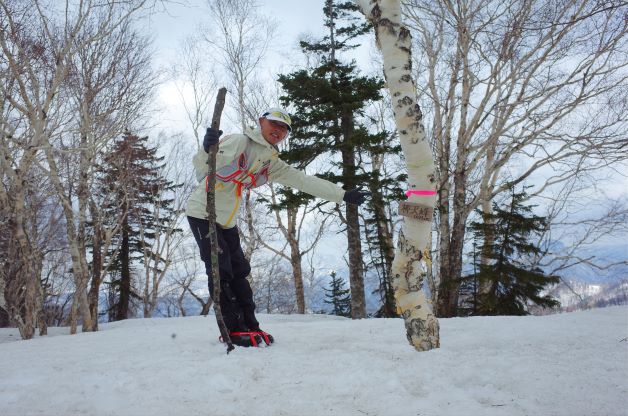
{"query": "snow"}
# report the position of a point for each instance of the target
(567, 364)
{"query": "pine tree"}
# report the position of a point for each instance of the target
(378, 230)
(328, 102)
(338, 296)
(512, 281)
(132, 170)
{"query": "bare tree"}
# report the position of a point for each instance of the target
(186, 277)
(23, 295)
(273, 285)
(57, 284)
(111, 81)
(160, 256)
(513, 88)
(28, 87)
(573, 231)
(40, 44)
(241, 36)
(394, 42)
(194, 79)
(292, 230)
(378, 225)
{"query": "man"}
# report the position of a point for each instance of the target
(246, 161)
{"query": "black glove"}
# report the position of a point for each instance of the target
(211, 138)
(355, 196)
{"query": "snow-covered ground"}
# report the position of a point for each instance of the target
(568, 364)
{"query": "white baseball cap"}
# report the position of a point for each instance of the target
(278, 114)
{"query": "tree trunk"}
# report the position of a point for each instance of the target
(122, 310)
(295, 259)
(94, 289)
(3, 301)
(23, 284)
(450, 271)
(76, 241)
(451, 257)
(206, 306)
(41, 312)
(83, 199)
(356, 269)
(180, 303)
(22, 271)
(485, 286)
(394, 42)
(386, 248)
(354, 242)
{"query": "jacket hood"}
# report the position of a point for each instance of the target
(256, 135)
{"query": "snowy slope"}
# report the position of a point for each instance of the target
(568, 364)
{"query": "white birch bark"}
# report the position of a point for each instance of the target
(394, 42)
(516, 93)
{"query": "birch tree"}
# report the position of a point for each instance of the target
(40, 42)
(414, 241)
(293, 230)
(111, 82)
(24, 125)
(186, 279)
(513, 89)
(194, 79)
(241, 36)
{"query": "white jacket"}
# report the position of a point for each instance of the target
(246, 161)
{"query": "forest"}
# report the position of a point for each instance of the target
(513, 113)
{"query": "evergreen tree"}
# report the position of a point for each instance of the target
(505, 235)
(328, 102)
(378, 230)
(132, 170)
(338, 296)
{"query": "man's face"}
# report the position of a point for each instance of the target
(273, 131)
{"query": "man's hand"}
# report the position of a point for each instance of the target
(355, 196)
(211, 138)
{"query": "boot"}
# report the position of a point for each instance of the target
(245, 338)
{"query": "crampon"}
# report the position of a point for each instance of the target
(249, 338)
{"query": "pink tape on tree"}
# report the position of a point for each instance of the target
(420, 192)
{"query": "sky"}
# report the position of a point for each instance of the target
(557, 365)
(181, 20)
(294, 19)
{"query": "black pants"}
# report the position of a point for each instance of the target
(236, 296)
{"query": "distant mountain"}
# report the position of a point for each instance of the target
(579, 295)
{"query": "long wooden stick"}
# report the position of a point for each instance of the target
(211, 218)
